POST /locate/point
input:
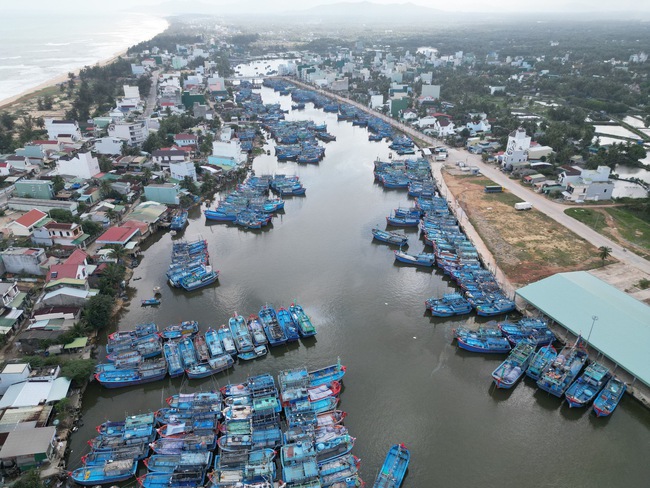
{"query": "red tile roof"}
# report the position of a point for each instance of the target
(31, 217)
(117, 235)
(134, 224)
(77, 257)
(61, 271)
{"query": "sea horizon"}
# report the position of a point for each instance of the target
(35, 52)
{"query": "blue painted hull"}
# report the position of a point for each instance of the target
(480, 348)
(607, 401)
(394, 468)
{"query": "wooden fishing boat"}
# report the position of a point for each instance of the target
(150, 301)
(305, 326)
(177, 331)
(328, 374)
(274, 332)
(174, 362)
(491, 345)
(540, 360)
(421, 259)
(187, 352)
(286, 322)
(583, 390)
(110, 472)
(227, 340)
(201, 348)
(257, 352)
(394, 468)
(515, 365)
(210, 367)
(389, 237)
(214, 343)
(557, 377)
(610, 397)
(240, 333)
(257, 330)
(168, 463)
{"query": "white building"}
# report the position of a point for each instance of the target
(376, 101)
(83, 165)
(62, 128)
(517, 148)
(180, 169)
(591, 185)
(131, 100)
(133, 132)
(109, 145)
(432, 91)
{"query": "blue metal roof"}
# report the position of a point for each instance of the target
(622, 329)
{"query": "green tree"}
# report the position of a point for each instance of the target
(189, 185)
(31, 479)
(118, 253)
(58, 183)
(77, 370)
(91, 228)
(152, 143)
(112, 277)
(604, 252)
(63, 216)
(98, 311)
(105, 188)
(206, 145)
(7, 120)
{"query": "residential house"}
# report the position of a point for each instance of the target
(227, 154)
(149, 212)
(444, 127)
(24, 260)
(430, 91)
(592, 185)
(20, 163)
(90, 195)
(5, 168)
(167, 193)
(83, 165)
(186, 140)
(535, 151)
(118, 235)
(376, 101)
(60, 234)
(24, 226)
(165, 156)
(8, 292)
(516, 148)
(62, 129)
(13, 373)
(131, 100)
(109, 145)
(40, 189)
(134, 133)
(180, 169)
(569, 174)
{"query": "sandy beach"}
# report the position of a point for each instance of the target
(55, 81)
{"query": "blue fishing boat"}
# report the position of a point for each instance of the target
(257, 352)
(327, 374)
(181, 479)
(169, 463)
(286, 322)
(130, 452)
(588, 385)
(402, 221)
(145, 373)
(305, 327)
(450, 304)
(174, 415)
(337, 470)
(221, 215)
(395, 238)
(210, 367)
(214, 343)
(140, 330)
(110, 472)
(179, 220)
(609, 398)
(126, 359)
(421, 259)
(513, 368)
(194, 401)
(540, 360)
(187, 352)
(491, 345)
(198, 280)
(496, 307)
(394, 468)
(274, 332)
(333, 448)
(257, 330)
(240, 333)
(227, 340)
(563, 370)
(174, 362)
(298, 106)
(178, 331)
(191, 442)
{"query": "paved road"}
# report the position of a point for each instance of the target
(150, 103)
(540, 202)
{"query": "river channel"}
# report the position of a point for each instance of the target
(406, 381)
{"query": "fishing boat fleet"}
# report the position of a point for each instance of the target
(251, 434)
(179, 220)
(147, 354)
(452, 251)
(250, 205)
(190, 267)
(565, 374)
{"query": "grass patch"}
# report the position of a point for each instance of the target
(589, 217)
(631, 227)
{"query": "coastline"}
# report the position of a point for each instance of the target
(52, 82)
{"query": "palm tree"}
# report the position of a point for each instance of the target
(604, 253)
(112, 215)
(118, 253)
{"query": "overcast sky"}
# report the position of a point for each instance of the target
(519, 6)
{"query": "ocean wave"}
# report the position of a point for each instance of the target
(10, 57)
(58, 43)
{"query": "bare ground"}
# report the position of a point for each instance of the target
(527, 245)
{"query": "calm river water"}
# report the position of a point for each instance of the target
(406, 381)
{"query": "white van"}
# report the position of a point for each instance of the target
(523, 206)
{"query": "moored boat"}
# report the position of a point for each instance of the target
(288, 325)
(305, 326)
(240, 333)
(257, 330)
(557, 377)
(214, 343)
(328, 374)
(227, 340)
(174, 361)
(588, 385)
(257, 352)
(389, 237)
(540, 360)
(421, 259)
(177, 331)
(210, 367)
(274, 332)
(609, 398)
(168, 463)
(110, 472)
(394, 468)
(491, 345)
(510, 370)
